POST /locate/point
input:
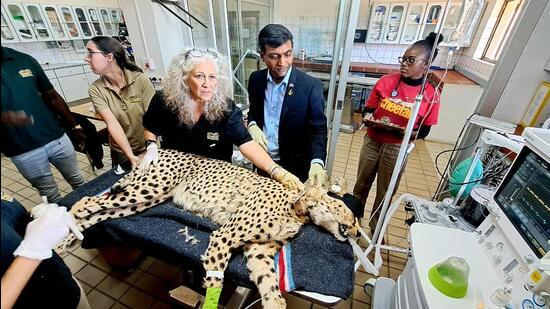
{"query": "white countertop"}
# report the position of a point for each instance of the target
(356, 80)
(53, 66)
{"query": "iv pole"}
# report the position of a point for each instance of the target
(377, 235)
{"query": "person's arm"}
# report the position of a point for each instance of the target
(51, 225)
(57, 104)
(318, 135)
(373, 100)
(151, 156)
(15, 279)
(257, 155)
(317, 123)
(117, 134)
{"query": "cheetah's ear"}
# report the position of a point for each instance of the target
(299, 203)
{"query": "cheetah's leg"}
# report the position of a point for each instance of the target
(217, 256)
(260, 263)
(86, 218)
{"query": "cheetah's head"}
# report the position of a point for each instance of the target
(330, 213)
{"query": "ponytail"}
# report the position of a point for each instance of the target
(429, 42)
(109, 45)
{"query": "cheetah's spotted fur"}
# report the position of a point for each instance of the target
(253, 212)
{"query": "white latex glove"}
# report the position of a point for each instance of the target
(39, 209)
(317, 174)
(151, 158)
(51, 226)
(258, 136)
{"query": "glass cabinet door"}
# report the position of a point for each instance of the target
(70, 22)
(115, 18)
(377, 22)
(83, 22)
(450, 22)
(106, 21)
(52, 17)
(20, 22)
(93, 15)
(432, 19)
(38, 22)
(394, 24)
(413, 23)
(8, 33)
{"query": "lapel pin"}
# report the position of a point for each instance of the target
(291, 89)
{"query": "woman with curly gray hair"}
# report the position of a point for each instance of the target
(193, 113)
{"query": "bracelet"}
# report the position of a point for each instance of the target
(272, 171)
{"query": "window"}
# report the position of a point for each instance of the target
(506, 19)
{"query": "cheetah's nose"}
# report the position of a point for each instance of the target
(343, 229)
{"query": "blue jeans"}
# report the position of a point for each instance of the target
(34, 165)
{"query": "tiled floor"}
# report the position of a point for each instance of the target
(147, 286)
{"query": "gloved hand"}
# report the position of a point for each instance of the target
(286, 178)
(317, 175)
(51, 226)
(39, 209)
(258, 136)
(151, 158)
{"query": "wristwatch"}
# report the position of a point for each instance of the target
(149, 142)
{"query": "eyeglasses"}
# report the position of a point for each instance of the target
(409, 60)
(89, 54)
(200, 53)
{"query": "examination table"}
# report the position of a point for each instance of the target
(319, 262)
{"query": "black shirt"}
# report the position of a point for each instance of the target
(51, 285)
(212, 140)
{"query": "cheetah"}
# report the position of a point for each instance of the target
(254, 212)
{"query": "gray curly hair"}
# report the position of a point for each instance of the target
(177, 94)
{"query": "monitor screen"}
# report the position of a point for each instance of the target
(524, 196)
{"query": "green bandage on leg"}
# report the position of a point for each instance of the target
(212, 297)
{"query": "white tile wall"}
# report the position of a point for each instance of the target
(50, 52)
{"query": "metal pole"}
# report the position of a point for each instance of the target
(405, 142)
(335, 59)
(212, 26)
(225, 39)
(342, 82)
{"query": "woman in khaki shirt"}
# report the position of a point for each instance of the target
(120, 97)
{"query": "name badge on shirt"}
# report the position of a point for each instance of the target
(213, 136)
(25, 73)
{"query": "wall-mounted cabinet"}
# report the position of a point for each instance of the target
(53, 19)
(38, 22)
(20, 22)
(8, 33)
(115, 19)
(432, 18)
(394, 23)
(97, 26)
(106, 19)
(413, 22)
(450, 22)
(69, 21)
(83, 22)
(377, 20)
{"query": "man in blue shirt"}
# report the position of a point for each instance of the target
(286, 109)
(32, 135)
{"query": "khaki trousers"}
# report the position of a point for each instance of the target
(376, 160)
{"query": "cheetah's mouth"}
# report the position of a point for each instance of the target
(343, 230)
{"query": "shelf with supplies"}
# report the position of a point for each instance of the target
(31, 22)
(407, 22)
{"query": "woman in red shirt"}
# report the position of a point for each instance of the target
(391, 102)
